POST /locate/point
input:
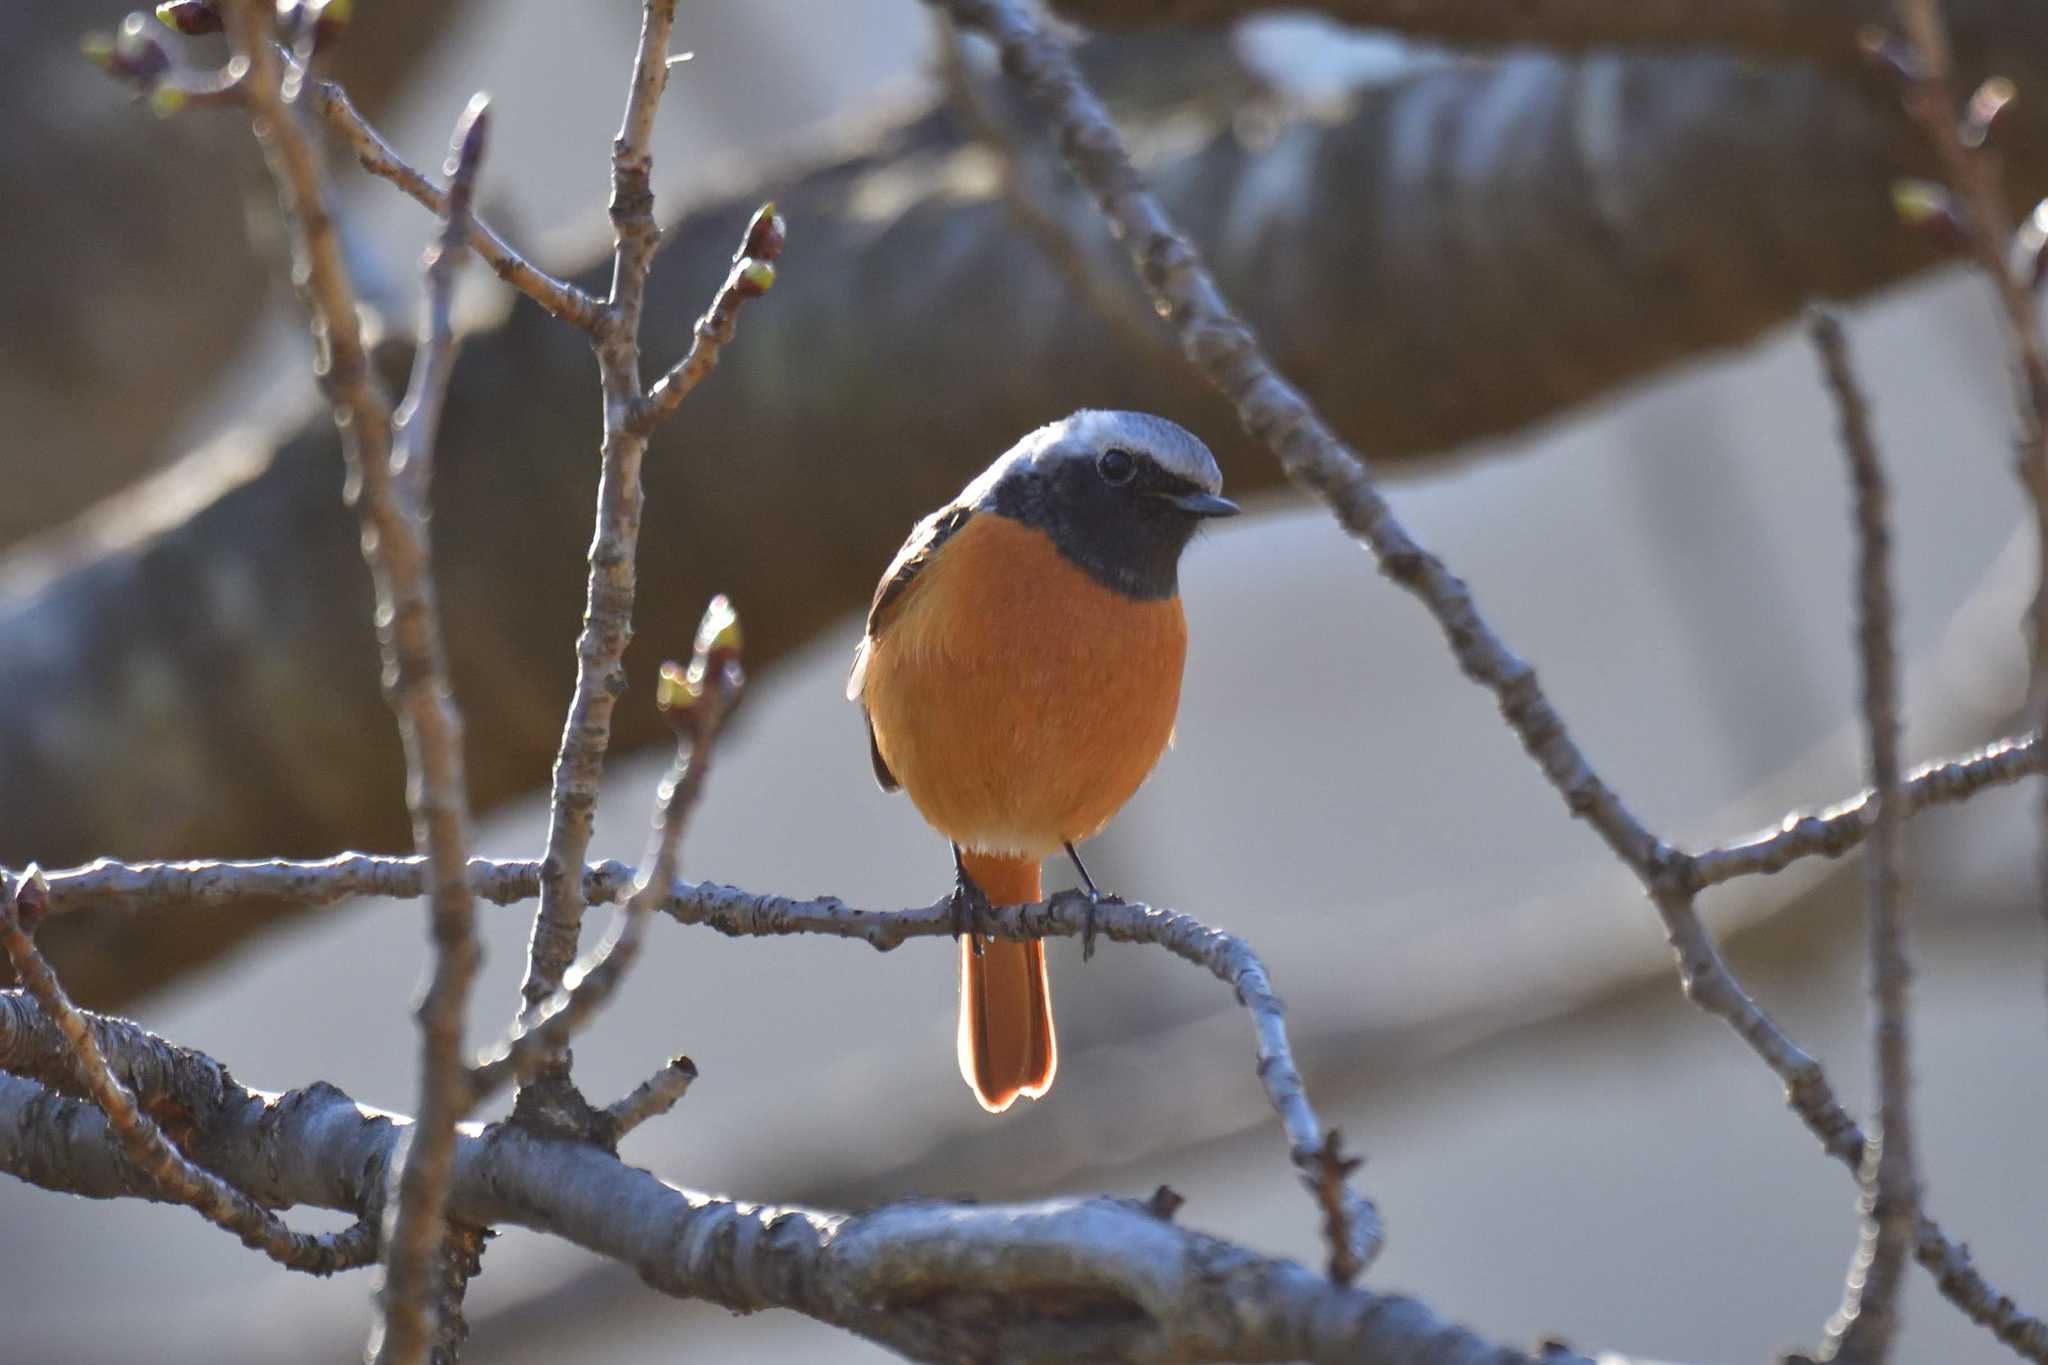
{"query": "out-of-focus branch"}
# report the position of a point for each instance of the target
(388, 459)
(1863, 1330)
(1659, 207)
(1819, 31)
(165, 1171)
(1088, 1279)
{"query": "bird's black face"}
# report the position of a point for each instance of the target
(1115, 512)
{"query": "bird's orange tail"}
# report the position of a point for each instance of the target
(1006, 1040)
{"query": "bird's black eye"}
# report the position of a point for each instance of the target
(1116, 466)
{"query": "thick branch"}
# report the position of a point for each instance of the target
(388, 459)
(1078, 1279)
(72, 1046)
(1819, 31)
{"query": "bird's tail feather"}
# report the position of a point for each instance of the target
(1006, 1038)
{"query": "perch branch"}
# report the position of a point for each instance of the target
(743, 914)
(1866, 1325)
(138, 888)
(165, 1172)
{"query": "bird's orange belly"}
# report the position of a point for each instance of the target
(1019, 702)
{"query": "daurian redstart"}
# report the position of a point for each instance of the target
(1020, 673)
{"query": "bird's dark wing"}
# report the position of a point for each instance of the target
(924, 542)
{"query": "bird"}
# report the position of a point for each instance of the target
(1020, 675)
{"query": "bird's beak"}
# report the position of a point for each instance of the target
(1204, 504)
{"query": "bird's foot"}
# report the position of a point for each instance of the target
(969, 904)
(1091, 901)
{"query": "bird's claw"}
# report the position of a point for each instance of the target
(969, 905)
(1091, 901)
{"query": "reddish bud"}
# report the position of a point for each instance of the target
(765, 234)
(131, 51)
(31, 900)
(751, 279)
(714, 663)
(193, 18)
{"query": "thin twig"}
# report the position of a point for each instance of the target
(613, 579)
(1842, 827)
(652, 1098)
(1973, 176)
(171, 1175)
(1866, 1325)
(559, 297)
(420, 1286)
(698, 717)
(415, 658)
(752, 274)
(1333, 1170)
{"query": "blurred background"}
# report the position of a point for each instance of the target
(1612, 435)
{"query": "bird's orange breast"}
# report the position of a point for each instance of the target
(1018, 701)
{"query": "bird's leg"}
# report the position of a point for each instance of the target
(1095, 898)
(970, 902)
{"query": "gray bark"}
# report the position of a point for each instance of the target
(1061, 1280)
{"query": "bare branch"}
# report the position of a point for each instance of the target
(751, 276)
(169, 1175)
(1842, 827)
(613, 578)
(559, 297)
(1112, 299)
(1866, 1325)
(1090, 1278)
(1333, 1170)
(1820, 29)
(652, 1098)
(697, 702)
(388, 469)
